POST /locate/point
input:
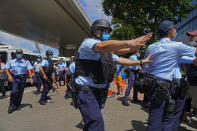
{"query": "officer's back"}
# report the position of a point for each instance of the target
(165, 55)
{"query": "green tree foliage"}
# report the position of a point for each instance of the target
(144, 15)
(134, 18)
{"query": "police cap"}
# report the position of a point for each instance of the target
(165, 26)
(49, 52)
(74, 58)
(19, 51)
(101, 23)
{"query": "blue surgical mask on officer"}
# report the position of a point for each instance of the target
(19, 56)
(105, 36)
(50, 56)
(174, 36)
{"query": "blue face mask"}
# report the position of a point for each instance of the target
(50, 56)
(174, 36)
(138, 55)
(105, 36)
(19, 56)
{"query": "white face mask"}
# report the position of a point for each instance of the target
(192, 43)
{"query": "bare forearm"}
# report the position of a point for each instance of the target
(30, 74)
(53, 78)
(122, 51)
(8, 73)
(127, 62)
(42, 71)
(111, 45)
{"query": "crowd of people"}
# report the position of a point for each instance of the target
(167, 76)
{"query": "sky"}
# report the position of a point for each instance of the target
(92, 8)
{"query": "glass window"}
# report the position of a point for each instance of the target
(4, 56)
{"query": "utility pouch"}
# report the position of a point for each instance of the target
(170, 105)
(145, 83)
(160, 95)
(74, 93)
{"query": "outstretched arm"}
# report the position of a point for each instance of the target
(115, 45)
(128, 62)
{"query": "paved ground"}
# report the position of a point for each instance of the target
(59, 115)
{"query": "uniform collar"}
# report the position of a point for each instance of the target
(166, 39)
(96, 38)
(19, 60)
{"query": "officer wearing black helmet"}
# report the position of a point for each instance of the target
(94, 70)
(47, 71)
(17, 77)
(36, 77)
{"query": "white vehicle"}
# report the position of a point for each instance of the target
(9, 52)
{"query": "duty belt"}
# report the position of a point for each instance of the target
(163, 82)
(37, 73)
(87, 88)
(20, 76)
(83, 88)
(176, 81)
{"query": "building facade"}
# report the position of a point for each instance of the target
(189, 24)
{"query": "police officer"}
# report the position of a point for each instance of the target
(61, 68)
(69, 75)
(2, 78)
(165, 55)
(17, 67)
(133, 71)
(37, 77)
(95, 60)
(47, 70)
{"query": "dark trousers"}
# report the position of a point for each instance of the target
(2, 87)
(159, 120)
(46, 88)
(61, 77)
(37, 81)
(17, 90)
(67, 92)
(131, 81)
(90, 104)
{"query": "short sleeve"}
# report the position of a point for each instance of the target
(185, 50)
(115, 57)
(7, 66)
(29, 66)
(132, 57)
(43, 63)
(89, 44)
(186, 59)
